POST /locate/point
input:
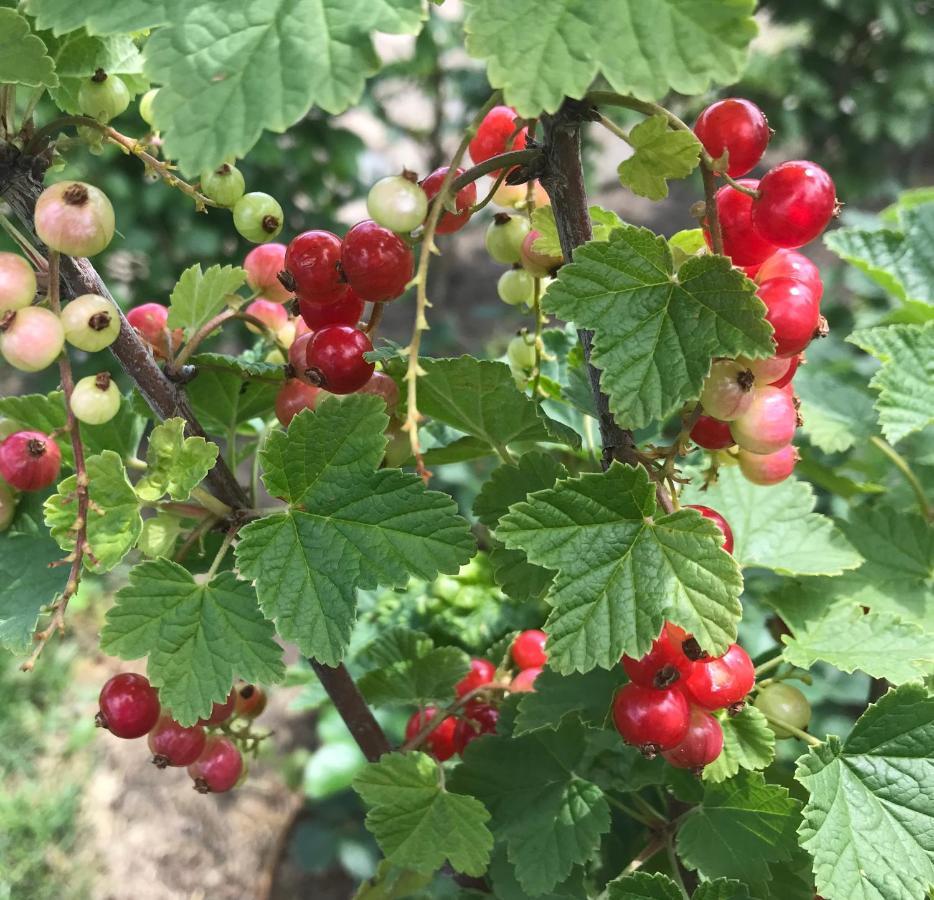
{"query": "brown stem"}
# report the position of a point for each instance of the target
(493, 164)
(376, 316)
(20, 185)
(711, 215)
(57, 622)
(563, 179)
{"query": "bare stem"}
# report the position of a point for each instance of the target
(376, 316)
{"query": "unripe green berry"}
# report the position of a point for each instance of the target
(504, 237)
(225, 185)
(103, 97)
(785, 702)
(74, 218)
(95, 399)
(145, 106)
(397, 203)
(258, 217)
(521, 352)
(516, 286)
(91, 323)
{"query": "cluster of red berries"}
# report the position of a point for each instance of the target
(750, 404)
(666, 708)
(478, 716)
(129, 708)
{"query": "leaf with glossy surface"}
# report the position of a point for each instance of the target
(659, 154)
(177, 464)
(656, 332)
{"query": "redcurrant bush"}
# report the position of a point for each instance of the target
(102, 96)
(224, 185)
(95, 399)
(262, 266)
(257, 217)
(768, 468)
(535, 262)
(494, 133)
(313, 262)
(728, 390)
(516, 286)
(397, 203)
(793, 311)
(381, 385)
(251, 701)
(742, 243)
(711, 433)
(662, 666)
(481, 673)
(524, 682)
(791, 264)
(346, 309)
(273, 315)
(768, 424)
(440, 742)
(128, 706)
(293, 397)
(31, 338)
(504, 237)
(221, 712)
(719, 521)
(737, 127)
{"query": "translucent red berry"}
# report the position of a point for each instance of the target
(711, 434)
(493, 134)
(484, 714)
(376, 261)
(796, 201)
(720, 681)
(793, 311)
(525, 680)
(263, 265)
(481, 673)
(651, 719)
(528, 649)
(293, 397)
(768, 468)
(702, 744)
(172, 744)
(381, 385)
(150, 320)
(29, 460)
(785, 380)
(727, 391)
(440, 742)
(661, 667)
(219, 767)
(737, 126)
(335, 359)
(769, 423)
(313, 260)
(791, 264)
(128, 705)
(741, 242)
(251, 701)
(273, 315)
(465, 199)
(221, 712)
(765, 370)
(345, 309)
(719, 521)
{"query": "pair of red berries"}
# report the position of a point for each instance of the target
(129, 708)
(529, 654)
(673, 689)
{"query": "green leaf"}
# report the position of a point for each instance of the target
(742, 825)
(878, 644)
(311, 52)
(555, 697)
(159, 534)
(775, 527)
(837, 415)
(675, 45)
(412, 670)
(748, 743)
(900, 260)
(655, 332)
(868, 822)
(550, 818)
(122, 433)
(416, 822)
(643, 886)
(603, 223)
(101, 16)
(24, 58)
(534, 471)
(199, 637)
(623, 569)
(392, 883)
(906, 380)
(114, 522)
(686, 243)
(722, 889)
(481, 399)
(350, 526)
(506, 885)
(177, 464)
(224, 393)
(659, 154)
(29, 583)
(199, 296)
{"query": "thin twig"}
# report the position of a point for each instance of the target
(711, 214)
(376, 316)
(491, 193)
(613, 128)
(57, 622)
(676, 866)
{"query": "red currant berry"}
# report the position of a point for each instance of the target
(335, 359)
(702, 744)
(251, 701)
(219, 767)
(440, 742)
(273, 315)
(719, 521)
(528, 649)
(263, 265)
(484, 714)
(151, 320)
(711, 434)
(381, 385)
(221, 712)
(785, 380)
(376, 261)
(768, 468)
(465, 199)
(785, 702)
(721, 681)
(791, 264)
(17, 282)
(661, 667)
(29, 460)
(172, 744)
(796, 201)
(769, 423)
(650, 719)
(481, 673)
(298, 353)
(313, 259)
(31, 338)
(524, 682)
(741, 242)
(765, 370)
(793, 311)
(128, 706)
(293, 397)
(345, 309)
(465, 731)
(74, 218)
(727, 391)
(493, 135)
(736, 126)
